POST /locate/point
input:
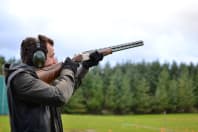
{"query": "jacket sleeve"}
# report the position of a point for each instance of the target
(28, 88)
(81, 72)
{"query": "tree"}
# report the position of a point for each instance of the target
(195, 84)
(124, 98)
(186, 96)
(174, 70)
(13, 60)
(93, 91)
(153, 74)
(173, 96)
(142, 99)
(76, 104)
(161, 94)
(113, 91)
(2, 61)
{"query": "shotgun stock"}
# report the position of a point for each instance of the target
(48, 74)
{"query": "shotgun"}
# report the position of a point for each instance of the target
(48, 74)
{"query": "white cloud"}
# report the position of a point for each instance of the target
(168, 27)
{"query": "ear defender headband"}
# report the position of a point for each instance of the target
(39, 56)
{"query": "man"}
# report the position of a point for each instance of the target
(33, 103)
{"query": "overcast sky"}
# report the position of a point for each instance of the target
(169, 28)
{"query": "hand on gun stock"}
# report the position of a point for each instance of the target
(69, 64)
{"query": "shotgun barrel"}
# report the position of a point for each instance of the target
(126, 46)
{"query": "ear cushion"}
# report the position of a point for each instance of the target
(39, 59)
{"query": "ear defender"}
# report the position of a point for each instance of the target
(39, 57)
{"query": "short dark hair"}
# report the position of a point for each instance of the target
(28, 47)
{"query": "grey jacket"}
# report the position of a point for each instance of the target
(34, 104)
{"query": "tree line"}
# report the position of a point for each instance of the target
(137, 88)
(127, 88)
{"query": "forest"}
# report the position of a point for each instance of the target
(135, 88)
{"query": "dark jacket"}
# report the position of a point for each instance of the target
(34, 104)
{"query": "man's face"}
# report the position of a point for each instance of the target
(50, 56)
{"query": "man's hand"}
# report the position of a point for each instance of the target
(95, 57)
(69, 64)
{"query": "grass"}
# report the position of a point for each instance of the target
(129, 123)
(4, 124)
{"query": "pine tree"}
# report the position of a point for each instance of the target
(2, 61)
(161, 94)
(142, 98)
(173, 96)
(93, 91)
(153, 74)
(124, 102)
(113, 91)
(186, 96)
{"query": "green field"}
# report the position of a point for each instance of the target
(130, 123)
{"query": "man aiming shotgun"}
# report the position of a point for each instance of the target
(40, 85)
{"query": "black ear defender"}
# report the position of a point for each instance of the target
(39, 56)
